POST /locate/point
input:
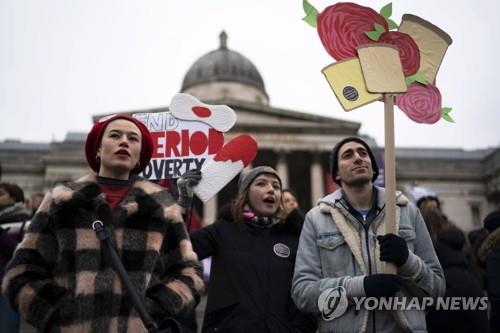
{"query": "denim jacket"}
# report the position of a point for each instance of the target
(336, 250)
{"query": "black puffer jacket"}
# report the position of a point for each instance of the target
(459, 283)
(489, 256)
(251, 277)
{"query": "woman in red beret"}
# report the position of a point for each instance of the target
(61, 279)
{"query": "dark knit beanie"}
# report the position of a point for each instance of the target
(492, 221)
(334, 158)
(248, 176)
(421, 200)
(94, 137)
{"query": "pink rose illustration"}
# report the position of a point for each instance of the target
(421, 103)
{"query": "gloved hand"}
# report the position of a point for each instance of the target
(393, 249)
(381, 285)
(185, 186)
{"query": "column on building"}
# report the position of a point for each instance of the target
(317, 179)
(282, 168)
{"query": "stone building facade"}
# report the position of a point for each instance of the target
(296, 143)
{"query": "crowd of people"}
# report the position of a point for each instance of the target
(273, 267)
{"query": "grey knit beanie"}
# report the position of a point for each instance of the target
(248, 176)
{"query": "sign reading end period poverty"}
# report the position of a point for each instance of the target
(190, 137)
(179, 145)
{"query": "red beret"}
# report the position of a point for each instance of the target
(93, 142)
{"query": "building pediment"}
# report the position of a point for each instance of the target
(258, 118)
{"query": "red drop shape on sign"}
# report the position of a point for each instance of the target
(201, 111)
(241, 148)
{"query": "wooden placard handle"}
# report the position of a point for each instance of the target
(390, 172)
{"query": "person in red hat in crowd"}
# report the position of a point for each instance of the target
(61, 279)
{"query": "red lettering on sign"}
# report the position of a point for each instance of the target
(199, 143)
(215, 141)
(173, 139)
(185, 143)
(157, 145)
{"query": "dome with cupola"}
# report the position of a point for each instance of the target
(224, 74)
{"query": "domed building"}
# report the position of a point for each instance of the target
(224, 74)
(296, 143)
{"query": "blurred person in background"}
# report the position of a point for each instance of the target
(291, 207)
(12, 203)
(449, 241)
(12, 210)
(428, 202)
(476, 238)
(36, 200)
(289, 200)
(489, 256)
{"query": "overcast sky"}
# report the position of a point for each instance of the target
(62, 61)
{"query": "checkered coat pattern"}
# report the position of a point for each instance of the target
(60, 280)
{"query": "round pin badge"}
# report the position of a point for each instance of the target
(281, 250)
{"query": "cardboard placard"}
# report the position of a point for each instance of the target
(179, 145)
(346, 80)
(229, 161)
(432, 42)
(187, 107)
(382, 69)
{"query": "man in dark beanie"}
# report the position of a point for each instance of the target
(334, 158)
(343, 250)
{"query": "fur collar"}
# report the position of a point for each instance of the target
(144, 195)
(490, 243)
(401, 199)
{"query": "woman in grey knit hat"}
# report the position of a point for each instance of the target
(253, 247)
